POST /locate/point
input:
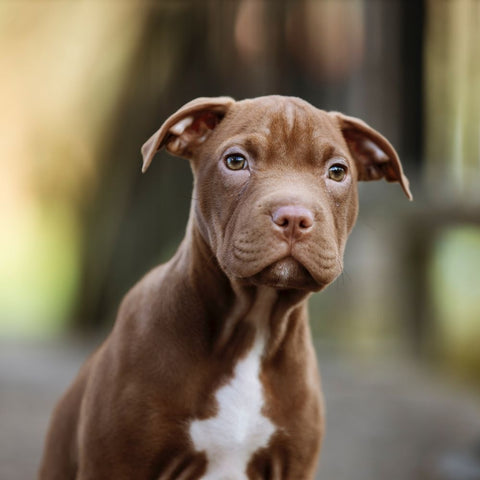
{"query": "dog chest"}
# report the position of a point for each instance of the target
(239, 429)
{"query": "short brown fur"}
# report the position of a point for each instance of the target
(181, 330)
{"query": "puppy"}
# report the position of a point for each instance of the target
(209, 372)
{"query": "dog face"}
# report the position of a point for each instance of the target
(276, 184)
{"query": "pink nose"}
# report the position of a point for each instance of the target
(292, 220)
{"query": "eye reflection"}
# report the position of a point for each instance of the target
(236, 161)
(337, 172)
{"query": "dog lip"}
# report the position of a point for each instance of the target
(286, 273)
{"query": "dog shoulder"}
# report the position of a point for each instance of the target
(145, 298)
(151, 312)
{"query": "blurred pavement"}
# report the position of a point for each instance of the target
(386, 417)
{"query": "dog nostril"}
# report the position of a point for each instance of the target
(280, 218)
(305, 223)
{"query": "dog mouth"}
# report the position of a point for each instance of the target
(286, 273)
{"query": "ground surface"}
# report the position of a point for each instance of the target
(386, 418)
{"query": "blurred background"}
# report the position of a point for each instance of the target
(83, 84)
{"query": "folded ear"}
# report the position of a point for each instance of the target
(187, 128)
(373, 154)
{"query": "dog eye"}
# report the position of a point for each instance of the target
(337, 172)
(236, 161)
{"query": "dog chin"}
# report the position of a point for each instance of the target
(285, 274)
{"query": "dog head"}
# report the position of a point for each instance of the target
(276, 183)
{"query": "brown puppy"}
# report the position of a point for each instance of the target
(209, 372)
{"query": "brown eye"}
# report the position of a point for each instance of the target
(236, 161)
(337, 172)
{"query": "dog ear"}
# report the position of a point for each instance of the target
(186, 128)
(373, 154)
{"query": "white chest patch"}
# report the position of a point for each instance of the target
(239, 429)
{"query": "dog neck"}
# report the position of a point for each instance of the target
(240, 314)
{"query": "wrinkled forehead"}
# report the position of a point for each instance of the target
(283, 124)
